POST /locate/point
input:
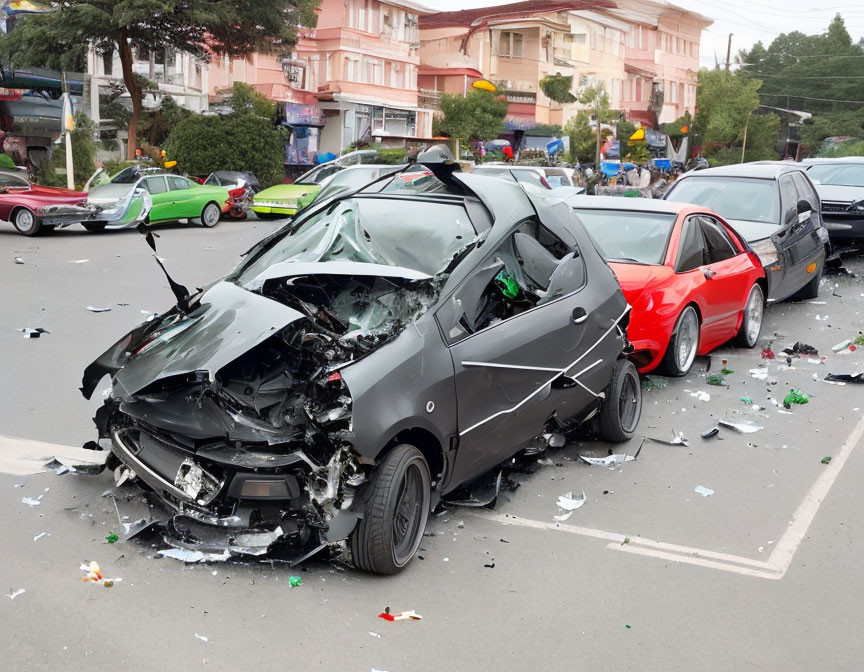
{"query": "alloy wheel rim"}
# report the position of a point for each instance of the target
(686, 340)
(407, 514)
(754, 314)
(25, 220)
(628, 404)
(210, 215)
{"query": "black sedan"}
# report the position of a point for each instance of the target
(775, 208)
(840, 184)
(384, 349)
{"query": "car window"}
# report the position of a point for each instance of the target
(529, 177)
(788, 195)
(213, 180)
(629, 237)
(177, 183)
(691, 249)
(495, 172)
(319, 175)
(12, 181)
(844, 175)
(805, 189)
(155, 185)
(128, 175)
(743, 198)
(717, 244)
(529, 269)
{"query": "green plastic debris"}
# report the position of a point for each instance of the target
(747, 400)
(112, 538)
(295, 581)
(507, 284)
(726, 371)
(826, 460)
(653, 383)
(715, 379)
(859, 339)
(626, 626)
(626, 541)
(795, 397)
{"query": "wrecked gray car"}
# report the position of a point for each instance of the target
(365, 361)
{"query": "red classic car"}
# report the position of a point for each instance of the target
(692, 281)
(28, 206)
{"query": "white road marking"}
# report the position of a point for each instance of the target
(774, 568)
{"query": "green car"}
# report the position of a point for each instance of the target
(286, 200)
(168, 197)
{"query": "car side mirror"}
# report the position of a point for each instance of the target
(140, 191)
(804, 206)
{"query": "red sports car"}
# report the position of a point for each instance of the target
(692, 282)
(24, 204)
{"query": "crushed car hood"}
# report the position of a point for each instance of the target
(753, 231)
(108, 193)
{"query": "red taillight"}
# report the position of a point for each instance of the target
(334, 377)
(545, 182)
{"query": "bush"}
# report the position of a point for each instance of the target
(83, 156)
(202, 144)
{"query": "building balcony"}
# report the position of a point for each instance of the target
(429, 99)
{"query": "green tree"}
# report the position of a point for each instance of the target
(557, 87)
(583, 136)
(478, 116)
(246, 99)
(202, 144)
(234, 27)
(154, 127)
(83, 156)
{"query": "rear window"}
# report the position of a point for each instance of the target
(629, 237)
(744, 198)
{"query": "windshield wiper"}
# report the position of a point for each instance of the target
(625, 260)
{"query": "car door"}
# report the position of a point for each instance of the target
(693, 267)
(183, 198)
(509, 350)
(809, 240)
(727, 271)
(162, 208)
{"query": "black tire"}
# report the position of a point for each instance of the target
(622, 407)
(672, 364)
(811, 289)
(376, 545)
(94, 227)
(210, 216)
(26, 223)
(751, 324)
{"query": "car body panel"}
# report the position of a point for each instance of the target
(797, 245)
(16, 192)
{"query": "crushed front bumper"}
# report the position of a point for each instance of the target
(265, 208)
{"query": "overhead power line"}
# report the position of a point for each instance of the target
(822, 100)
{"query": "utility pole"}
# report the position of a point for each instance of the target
(66, 127)
(728, 52)
(744, 144)
(597, 117)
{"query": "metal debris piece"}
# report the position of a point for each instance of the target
(18, 260)
(570, 503)
(186, 555)
(30, 332)
(78, 261)
(40, 535)
(609, 461)
(29, 501)
(678, 440)
(855, 378)
(202, 637)
(702, 490)
(710, 432)
(746, 427)
(13, 594)
(557, 440)
(98, 309)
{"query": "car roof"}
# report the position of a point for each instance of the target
(765, 170)
(508, 166)
(583, 202)
(833, 159)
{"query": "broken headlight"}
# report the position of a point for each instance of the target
(199, 484)
(766, 251)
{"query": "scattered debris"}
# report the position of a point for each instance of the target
(490, 565)
(30, 332)
(40, 535)
(795, 396)
(856, 378)
(29, 501)
(570, 503)
(410, 615)
(826, 460)
(725, 370)
(678, 440)
(202, 637)
(842, 346)
(112, 538)
(747, 400)
(78, 261)
(716, 379)
(93, 574)
(700, 395)
(710, 432)
(768, 353)
(13, 594)
(609, 461)
(702, 490)
(18, 260)
(626, 541)
(98, 309)
(759, 374)
(375, 634)
(653, 383)
(746, 427)
(295, 581)
(801, 350)
(185, 555)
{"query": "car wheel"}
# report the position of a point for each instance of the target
(751, 323)
(210, 215)
(683, 345)
(622, 407)
(25, 222)
(94, 227)
(811, 289)
(391, 529)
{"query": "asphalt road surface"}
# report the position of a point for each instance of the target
(647, 575)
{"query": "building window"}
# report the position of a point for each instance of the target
(108, 63)
(579, 38)
(510, 44)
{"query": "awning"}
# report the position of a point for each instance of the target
(631, 69)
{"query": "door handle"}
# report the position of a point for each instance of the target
(709, 273)
(578, 315)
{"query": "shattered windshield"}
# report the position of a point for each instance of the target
(419, 235)
(629, 237)
(744, 198)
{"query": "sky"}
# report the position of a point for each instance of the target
(749, 21)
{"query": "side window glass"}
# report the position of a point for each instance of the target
(788, 196)
(691, 250)
(806, 190)
(523, 273)
(177, 183)
(717, 244)
(155, 185)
